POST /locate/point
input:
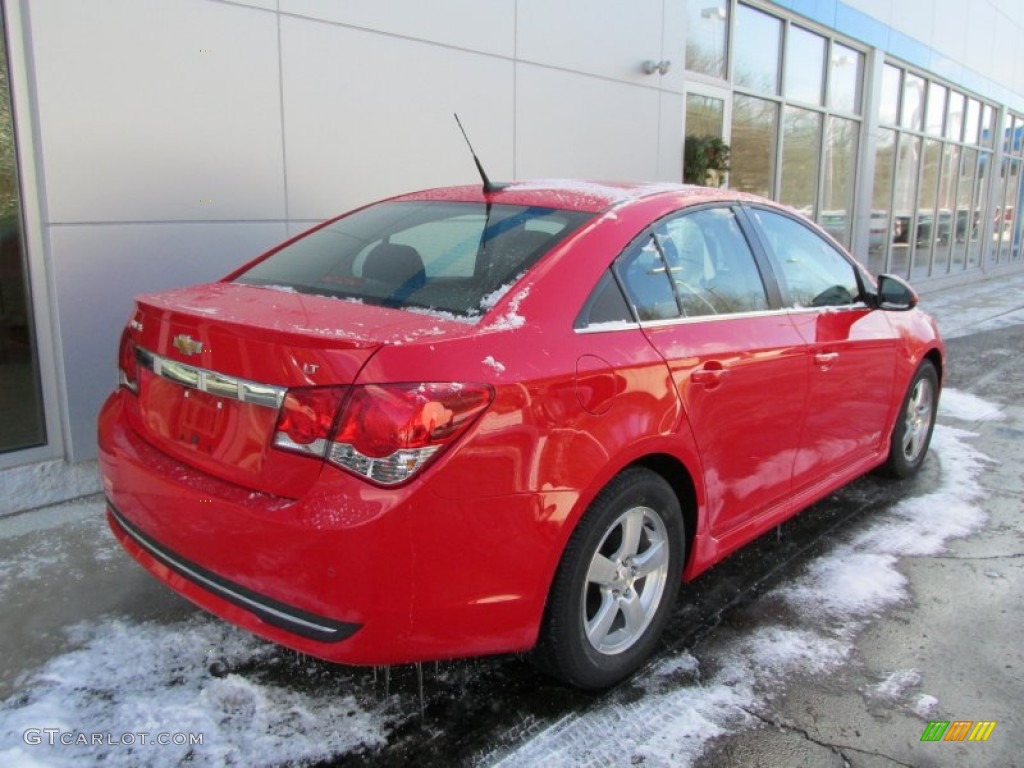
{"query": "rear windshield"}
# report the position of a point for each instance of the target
(449, 257)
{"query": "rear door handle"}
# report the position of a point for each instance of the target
(825, 359)
(710, 375)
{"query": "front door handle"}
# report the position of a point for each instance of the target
(825, 359)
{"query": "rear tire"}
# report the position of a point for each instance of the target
(616, 584)
(912, 432)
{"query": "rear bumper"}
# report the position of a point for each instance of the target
(349, 572)
(273, 612)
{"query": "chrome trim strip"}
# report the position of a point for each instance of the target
(857, 305)
(625, 325)
(630, 326)
(211, 382)
(712, 318)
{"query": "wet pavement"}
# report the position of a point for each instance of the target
(949, 651)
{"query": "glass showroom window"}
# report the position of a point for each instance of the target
(756, 52)
(840, 169)
(754, 130)
(846, 68)
(810, 115)
(881, 200)
(707, 37)
(801, 141)
(929, 190)
(1006, 229)
(21, 406)
(805, 72)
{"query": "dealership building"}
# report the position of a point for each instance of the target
(146, 144)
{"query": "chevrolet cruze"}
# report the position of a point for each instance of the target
(471, 421)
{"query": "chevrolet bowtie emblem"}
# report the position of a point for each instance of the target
(187, 345)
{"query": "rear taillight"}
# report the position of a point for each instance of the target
(307, 419)
(127, 363)
(385, 433)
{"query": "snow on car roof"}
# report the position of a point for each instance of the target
(568, 194)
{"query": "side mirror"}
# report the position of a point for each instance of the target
(895, 294)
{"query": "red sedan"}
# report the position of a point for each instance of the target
(465, 422)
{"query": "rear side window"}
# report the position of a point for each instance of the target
(645, 276)
(695, 264)
(445, 256)
(606, 306)
(812, 272)
(712, 267)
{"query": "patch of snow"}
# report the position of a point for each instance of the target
(201, 310)
(847, 583)
(490, 361)
(343, 333)
(963, 406)
(922, 525)
(925, 705)
(441, 314)
(896, 685)
(610, 192)
(488, 302)
(281, 288)
(46, 482)
(126, 678)
(511, 319)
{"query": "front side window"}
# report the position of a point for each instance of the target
(446, 256)
(811, 271)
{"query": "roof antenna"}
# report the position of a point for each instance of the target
(489, 186)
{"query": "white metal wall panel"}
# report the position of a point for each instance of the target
(610, 38)
(153, 110)
(370, 115)
(570, 125)
(488, 27)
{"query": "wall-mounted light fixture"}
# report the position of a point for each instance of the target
(650, 66)
(715, 13)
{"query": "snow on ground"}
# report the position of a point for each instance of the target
(835, 597)
(126, 679)
(249, 701)
(963, 406)
(38, 553)
(47, 482)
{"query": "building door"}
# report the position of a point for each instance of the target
(21, 401)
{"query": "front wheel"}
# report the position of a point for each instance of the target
(616, 584)
(912, 432)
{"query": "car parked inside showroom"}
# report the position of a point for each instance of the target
(471, 420)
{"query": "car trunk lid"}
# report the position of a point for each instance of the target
(216, 360)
